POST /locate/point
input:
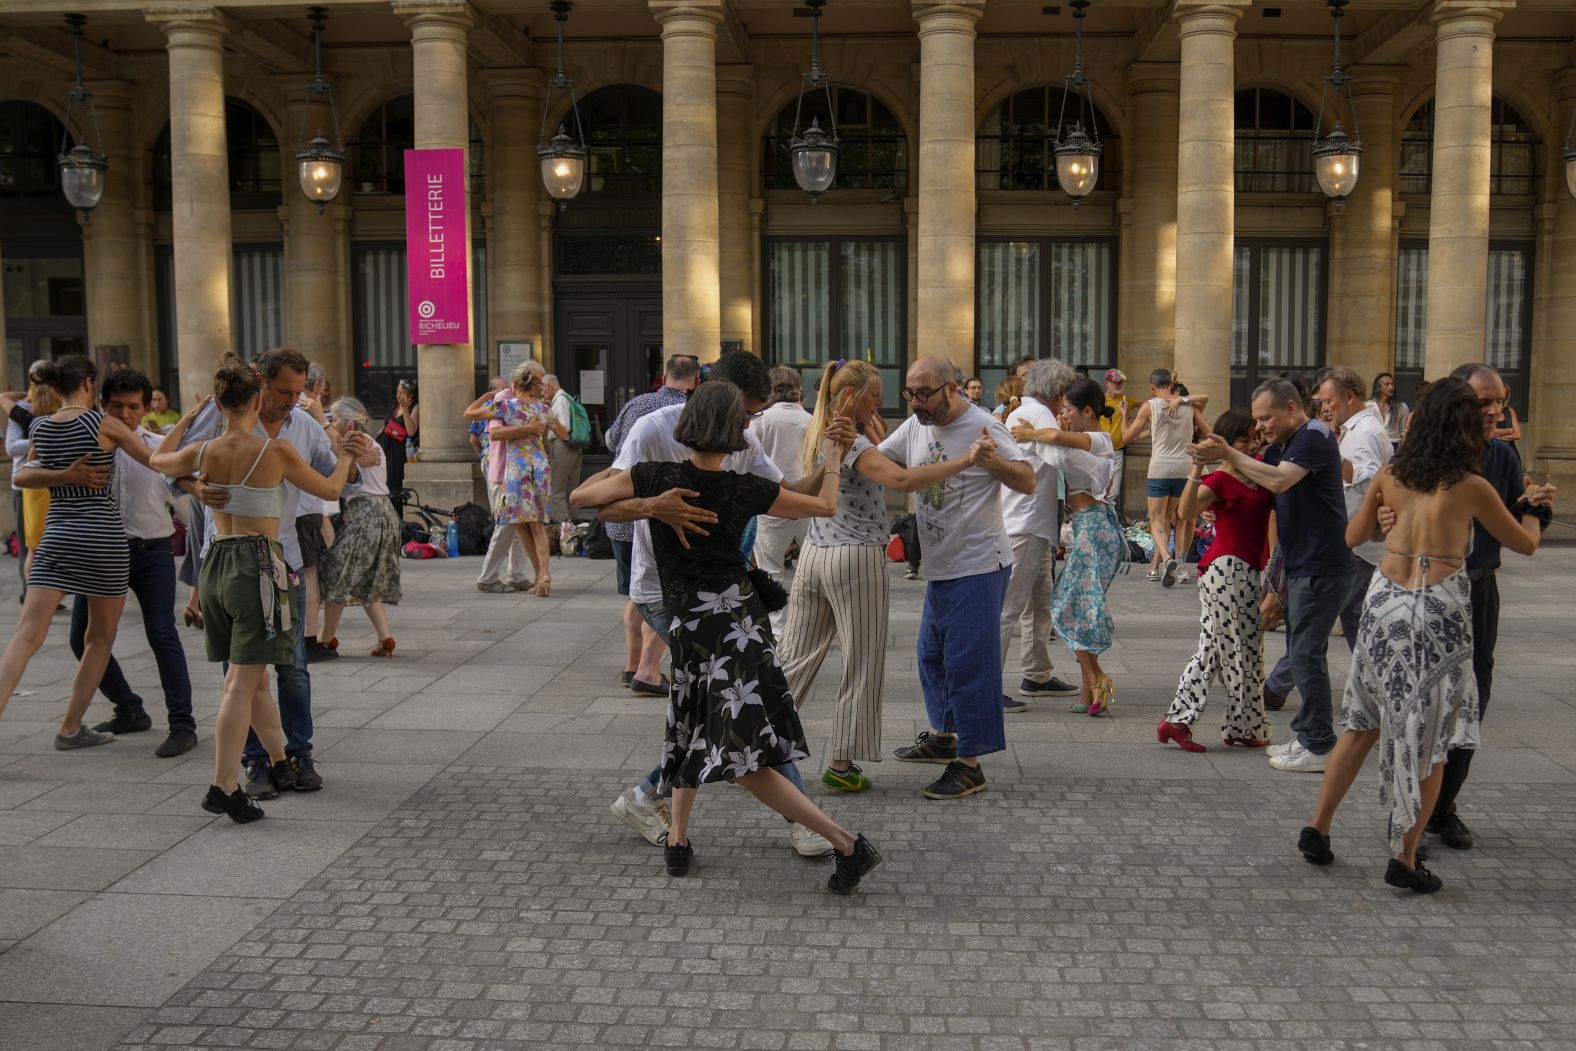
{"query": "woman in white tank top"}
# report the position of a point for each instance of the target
(1172, 418)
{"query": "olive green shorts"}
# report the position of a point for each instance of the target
(235, 626)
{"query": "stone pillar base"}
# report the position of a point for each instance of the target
(446, 484)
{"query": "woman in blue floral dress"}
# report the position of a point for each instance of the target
(730, 715)
(526, 493)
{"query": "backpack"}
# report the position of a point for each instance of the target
(476, 527)
(579, 425)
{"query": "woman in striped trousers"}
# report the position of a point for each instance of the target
(840, 586)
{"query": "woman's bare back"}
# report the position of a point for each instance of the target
(1434, 526)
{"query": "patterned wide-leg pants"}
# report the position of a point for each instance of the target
(1229, 650)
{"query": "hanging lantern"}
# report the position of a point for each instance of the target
(564, 158)
(1077, 151)
(1336, 157)
(82, 168)
(813, 155)
(320, 164)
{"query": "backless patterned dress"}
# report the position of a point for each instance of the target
(83, 550)
(1412, 681)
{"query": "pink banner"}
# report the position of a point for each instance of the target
(436, 255)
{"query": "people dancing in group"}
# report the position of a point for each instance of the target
(1231, 634)
(245, 584)
(1412, 690)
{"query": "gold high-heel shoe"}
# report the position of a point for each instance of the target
(1104, 697)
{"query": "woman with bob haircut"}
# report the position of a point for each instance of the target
(1411, 690)
(730, 715)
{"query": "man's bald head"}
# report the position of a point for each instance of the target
(932, 370)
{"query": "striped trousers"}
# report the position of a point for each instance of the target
(840, 593)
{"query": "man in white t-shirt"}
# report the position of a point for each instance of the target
(650, 440)
(563, 458)
(781, 430)
(968, 560)
(1033, 527)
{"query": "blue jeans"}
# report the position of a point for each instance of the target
(960, 659)
(1280, 679)
(153, 583)
(1312, 605)
(295, 694)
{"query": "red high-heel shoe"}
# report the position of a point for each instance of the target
(1247, 742)
(383, 649)
(1168, 731)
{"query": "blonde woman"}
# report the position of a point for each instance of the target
(840, 587)
(35, 502)
(362, 568)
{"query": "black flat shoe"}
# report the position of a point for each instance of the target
(1418, 880)
(1315, 846)
(1452, 831)
(237, 806)
(678, 859)
(855, 867)
(179, 742)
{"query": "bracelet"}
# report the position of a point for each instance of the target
(1524, 508)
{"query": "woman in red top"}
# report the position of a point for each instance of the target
(1228, 586)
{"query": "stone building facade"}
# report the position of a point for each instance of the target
(1206, 247)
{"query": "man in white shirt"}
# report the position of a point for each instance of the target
(141, 496)
(1033, 525)
(968, 560)
(564, 459)
(781, 430)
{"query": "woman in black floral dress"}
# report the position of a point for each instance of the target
(730, 716)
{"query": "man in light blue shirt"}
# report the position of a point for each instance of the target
(283, 372)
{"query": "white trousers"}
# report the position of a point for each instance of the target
(772, 538)
(841, 594)
(1026, 611)
(505, 561)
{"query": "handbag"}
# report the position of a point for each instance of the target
(772, 594)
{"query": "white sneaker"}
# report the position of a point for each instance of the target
(1182, 577)
(1275, 751)
(1298, 760)
(650, 820)
(1168, 573)
(809, 844)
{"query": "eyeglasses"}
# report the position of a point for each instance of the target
(922, 394)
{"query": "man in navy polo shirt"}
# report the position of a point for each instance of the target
(1302, 467)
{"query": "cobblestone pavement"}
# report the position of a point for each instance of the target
(459, 885)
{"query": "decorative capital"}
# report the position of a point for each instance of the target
(189, 19)
(428, 12)
(956, 15)
(1470, 14)
(526, 85)
(1209, 16)
(687, 14)
(1376, 81)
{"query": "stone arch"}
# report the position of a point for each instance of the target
(786, 97)
(1107, 105)
(1526, 108)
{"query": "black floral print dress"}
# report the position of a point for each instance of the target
(729, 710)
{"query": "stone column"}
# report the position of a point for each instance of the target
(735, 84)
(1553, 387)
(1362, 287)
(200, 192)
(1458, 204)
(1151, 292)
(691, 261)
(312, 273)
(110, 264)
(1206, 194)
(445, 372)
(514, 250)
(947, 219)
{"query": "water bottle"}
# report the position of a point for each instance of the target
(454, 536)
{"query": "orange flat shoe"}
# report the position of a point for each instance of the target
(383, 649)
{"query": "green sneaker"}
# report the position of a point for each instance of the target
(850, 780)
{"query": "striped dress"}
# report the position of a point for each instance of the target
(83, 551)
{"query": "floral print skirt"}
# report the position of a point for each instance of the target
(729, 710)
(363, 565)
(1078, 603)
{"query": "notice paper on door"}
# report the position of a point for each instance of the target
(591, 387)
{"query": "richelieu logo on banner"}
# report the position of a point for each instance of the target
(435, 251)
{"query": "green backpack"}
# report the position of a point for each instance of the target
(579, 424)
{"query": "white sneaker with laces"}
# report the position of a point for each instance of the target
(809, 844)
(1275, 751)
(1298, 760)
(650, 820)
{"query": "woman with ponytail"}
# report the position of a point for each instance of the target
(83, 548)
(1078, 608)
(840, 586)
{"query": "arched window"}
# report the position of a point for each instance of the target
(1513, 158)
(873, 153)
(1013, 148)
(1275, 136)
(377, 153)
(255, 162)
(30, 138)
(623, 129)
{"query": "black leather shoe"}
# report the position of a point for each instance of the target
(855, 867)
(1452, 831)
(1315, 846)
(678, 859)
(237, 805)
(1418, 880)
(179, 742)
(126, 724)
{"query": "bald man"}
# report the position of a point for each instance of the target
(968, 560)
